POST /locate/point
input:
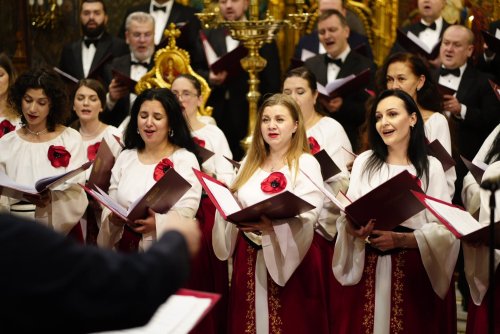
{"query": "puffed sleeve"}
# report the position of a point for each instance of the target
(68, 201)
(285, 246)
(224, 170)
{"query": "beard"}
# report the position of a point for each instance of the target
(93, 32)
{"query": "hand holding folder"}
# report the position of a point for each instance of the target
(160, 198)
(344, 86)
(390, 204)
(12, 189)
(124, 80)
(282, 206)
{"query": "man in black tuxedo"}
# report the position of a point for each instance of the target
(229, 90)
(170, 11)
(429, 29)
(310, 42)
(489, 61)
(50, 284)
(339, 62)
(474, 109)
(88, 55)
(140, 38)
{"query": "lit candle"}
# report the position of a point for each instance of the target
(469, 21)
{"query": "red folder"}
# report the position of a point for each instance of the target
(476, 171)
(230, 62)
(416, 46)
(443, 90)
(328, 166)
(492, 42)
(345, 86)
(12, 189)
(119, 141)
(460, 222)
(160, 198)
(235, 163)
(214, 298)
(124, 80)
(282, 206)
(204, 153)
(437, 150)
(390, 204)
(101, 172)
(495, 88)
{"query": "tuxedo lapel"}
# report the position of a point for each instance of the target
(466, 83)
(102, 50)
(348, 67)
(77, 52)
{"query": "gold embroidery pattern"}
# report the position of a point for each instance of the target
(275, 321)
(369, 305)
(397, 293)
(250, 294)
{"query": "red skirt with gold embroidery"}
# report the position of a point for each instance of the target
(415, 308)
(298, 307)
(477, 316)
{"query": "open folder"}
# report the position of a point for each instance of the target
(230, 62)
(390, 204)
(101, 171)
(328, 167)
(178, 315)
(160, 197)
(437, 150)
(282, 206)
(458, 221)
(413, 44)
(344, 86)
(474, 169)
(124, 80)
(12, 189)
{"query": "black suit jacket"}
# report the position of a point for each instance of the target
(492, 66)
(352, 112)
(189, 40)
(229, 99)
(122, 107)
(356, 41)
(50, 284)
(415, 28)
(71, 56)
(482, 116)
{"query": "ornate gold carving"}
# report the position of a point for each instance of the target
(169, 63)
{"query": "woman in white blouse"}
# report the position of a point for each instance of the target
(44, 147)
(156, 138)
(273, 286)
(394, 279)
(9, 119)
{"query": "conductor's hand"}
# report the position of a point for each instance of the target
(188, 227)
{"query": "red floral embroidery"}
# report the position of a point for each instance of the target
(274, 183)
(199, 142)
(6, 127)
(92, 150)
(58, 156)
(162, 168)
(313, 145)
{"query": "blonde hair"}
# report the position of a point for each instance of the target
(259, 149)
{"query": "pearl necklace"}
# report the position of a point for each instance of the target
(35, 133)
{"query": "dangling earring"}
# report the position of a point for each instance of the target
(171, 133)
(137, 130)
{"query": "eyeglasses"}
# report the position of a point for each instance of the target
(184, 94)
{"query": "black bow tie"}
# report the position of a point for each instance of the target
(158, 8)
(90, 41)
(139, 63)
(424, 26)
(337, 62)
(444, 71)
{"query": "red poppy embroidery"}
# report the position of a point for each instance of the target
(199, 142)
(274, 183)
(58, 156)
(6, 127)
(92, 150)
(313, 145)
(162, 168)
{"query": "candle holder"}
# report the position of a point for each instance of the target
(45, 14)
(253, 33)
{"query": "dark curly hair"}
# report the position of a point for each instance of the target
(176, 122)
(417, 151)
(52, 86)
(428, 96)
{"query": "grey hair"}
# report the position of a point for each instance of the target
(140, 17)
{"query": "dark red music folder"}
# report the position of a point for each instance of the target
(443, 90)
(345, 86)
(282, 206)
(475, 170)
(235, 163)
(230, 62)
(12, 189)
(160, 197)
(492, 42)
(328, 166)
(101, 171)
(414, 45)
(436, 149)
(124, 80)
(204, 153)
